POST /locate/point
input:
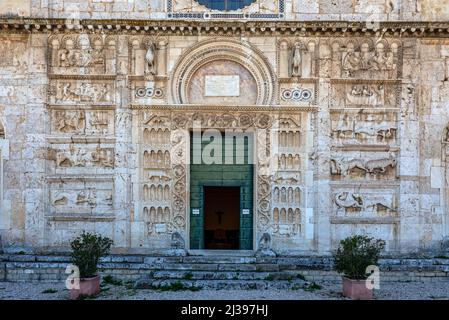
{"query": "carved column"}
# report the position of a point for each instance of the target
(162, 58)
(283, 59)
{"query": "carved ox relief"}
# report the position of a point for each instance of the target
(346, 166)
(349, 202)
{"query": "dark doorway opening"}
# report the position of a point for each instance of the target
(221, 217)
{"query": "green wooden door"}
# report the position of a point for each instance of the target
(237, 174)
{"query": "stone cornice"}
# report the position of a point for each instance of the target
(226, 108)
(186, 27)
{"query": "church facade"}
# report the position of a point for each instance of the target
(274, 125)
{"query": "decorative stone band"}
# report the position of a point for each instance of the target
(296, 94)
(231, 27)
(149, 92)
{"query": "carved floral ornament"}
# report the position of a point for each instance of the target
(224, 49)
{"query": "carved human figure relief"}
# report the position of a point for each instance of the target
(150, 60)
(296, 60)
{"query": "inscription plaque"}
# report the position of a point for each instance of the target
(222, 86)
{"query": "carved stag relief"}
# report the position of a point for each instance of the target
(85, 54)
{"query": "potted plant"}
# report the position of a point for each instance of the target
(352, 258)
(87, 249)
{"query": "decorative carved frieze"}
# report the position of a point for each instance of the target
(80, 197)
(83, 156)
(82, 92)
(82, 54)
(82, 121)
(364, 166)
(364, 127)
(367, 59)
(365, 203)
(359, 94)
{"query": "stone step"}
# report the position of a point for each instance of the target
(216, 267)
(176, 284)
(221, 275)
(219, 259)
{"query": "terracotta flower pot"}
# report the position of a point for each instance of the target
(356, 289)
(88, 287)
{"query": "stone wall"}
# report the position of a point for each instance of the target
(97, 116)
(304, 10)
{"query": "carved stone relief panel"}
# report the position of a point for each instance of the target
(156, 174)
(82, 54)
(80, 197)
(364, 127)
(287, 184)
(148, 57)
(76, 158)
(82, 121)
(366, 59)
(365, 202)
(12, 53)
(362, 165)
(297, 58)
(65, 91)
(357, 94)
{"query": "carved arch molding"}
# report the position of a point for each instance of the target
(236, 51)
